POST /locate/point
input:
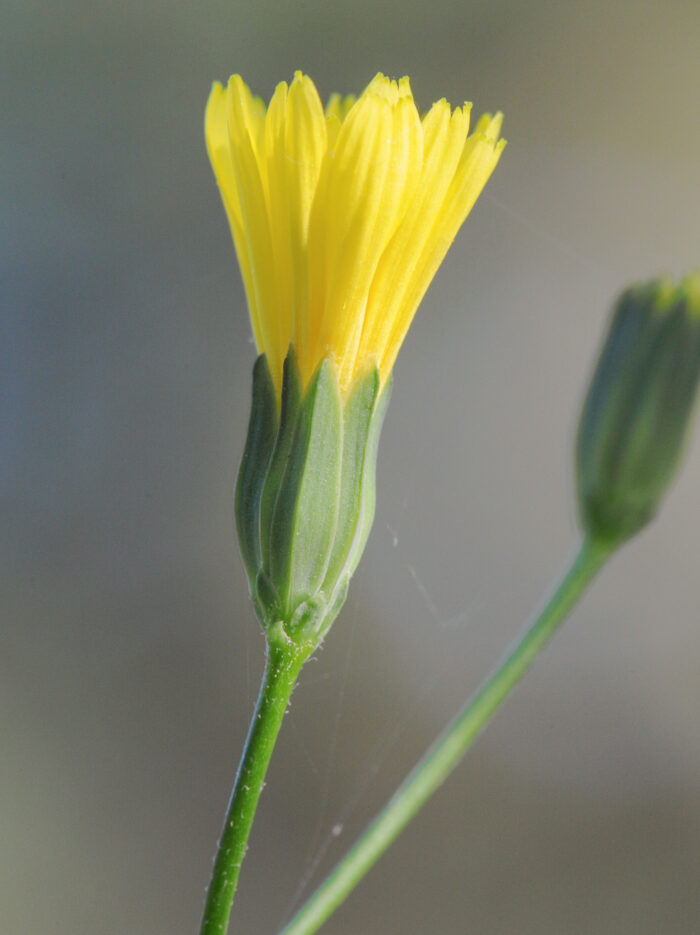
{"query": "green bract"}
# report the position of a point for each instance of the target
(306, 492)
(637, 413)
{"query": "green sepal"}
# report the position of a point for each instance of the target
(304, 519)
(266, 599)
(262, 431)
(363, 414)
(357, 417)
(637, 413)
(289, 414)
(369, 484)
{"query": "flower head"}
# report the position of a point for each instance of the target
(342, 216)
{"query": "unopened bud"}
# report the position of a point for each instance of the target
(637, 413)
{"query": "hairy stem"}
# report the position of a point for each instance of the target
(282, 667)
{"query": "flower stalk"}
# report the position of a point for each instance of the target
(283, 664)
(450, 747)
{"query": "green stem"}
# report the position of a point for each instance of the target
(449, 748)
(282, 667)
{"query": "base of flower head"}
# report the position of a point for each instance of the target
(306, 493)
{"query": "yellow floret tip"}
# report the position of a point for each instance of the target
(341, 216)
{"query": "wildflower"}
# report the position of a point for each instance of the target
(636, 417)
(340, 218)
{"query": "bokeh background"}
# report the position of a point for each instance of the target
(129, 653)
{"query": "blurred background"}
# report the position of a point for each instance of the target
(129, 652)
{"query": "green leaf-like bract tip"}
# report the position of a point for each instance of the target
(306, 493)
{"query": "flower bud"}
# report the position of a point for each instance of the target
(636, 416)
(306, 492)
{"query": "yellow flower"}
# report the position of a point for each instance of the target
(342, 217)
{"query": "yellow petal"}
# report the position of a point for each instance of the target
(246, 135)
(384, 88)
(346, 218)
(337, 110)
(218, 146)
(339, 105)
(274, 167)
(373, 176)
(444, 135)
(305, 147)
(478, 160)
